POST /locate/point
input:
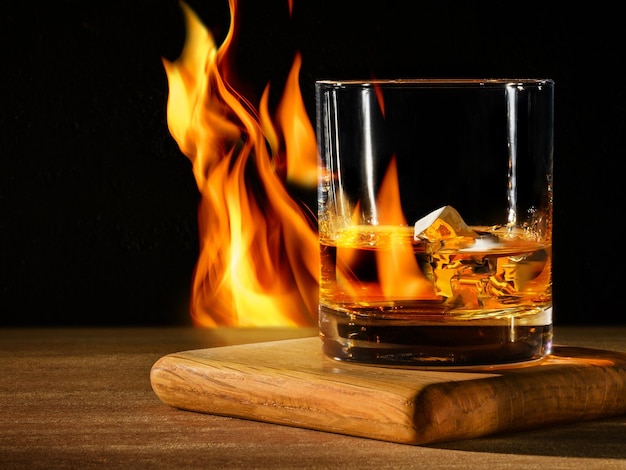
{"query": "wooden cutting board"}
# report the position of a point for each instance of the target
(291, 382)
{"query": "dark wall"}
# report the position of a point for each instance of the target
(98, 205)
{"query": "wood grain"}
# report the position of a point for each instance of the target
(292, 383)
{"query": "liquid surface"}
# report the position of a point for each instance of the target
(387, 268)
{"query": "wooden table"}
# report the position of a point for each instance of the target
(81, 398)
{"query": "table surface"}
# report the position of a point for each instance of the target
(81, 398)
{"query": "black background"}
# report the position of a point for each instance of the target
(98, 221)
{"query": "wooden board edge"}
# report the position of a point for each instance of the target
(435, 412)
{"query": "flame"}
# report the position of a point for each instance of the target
(399, 273)
(298, 129)
(259, 257)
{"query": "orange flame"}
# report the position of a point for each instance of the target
(399, 274)
(259, 256)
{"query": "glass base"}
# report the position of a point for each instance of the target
(434, 343)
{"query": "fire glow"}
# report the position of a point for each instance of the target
(259, 248)
(259, 257)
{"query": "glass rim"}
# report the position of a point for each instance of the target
(435, 82)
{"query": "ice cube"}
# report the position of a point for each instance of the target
(444, 223)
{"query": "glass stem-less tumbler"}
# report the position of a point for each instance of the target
(435, 220)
